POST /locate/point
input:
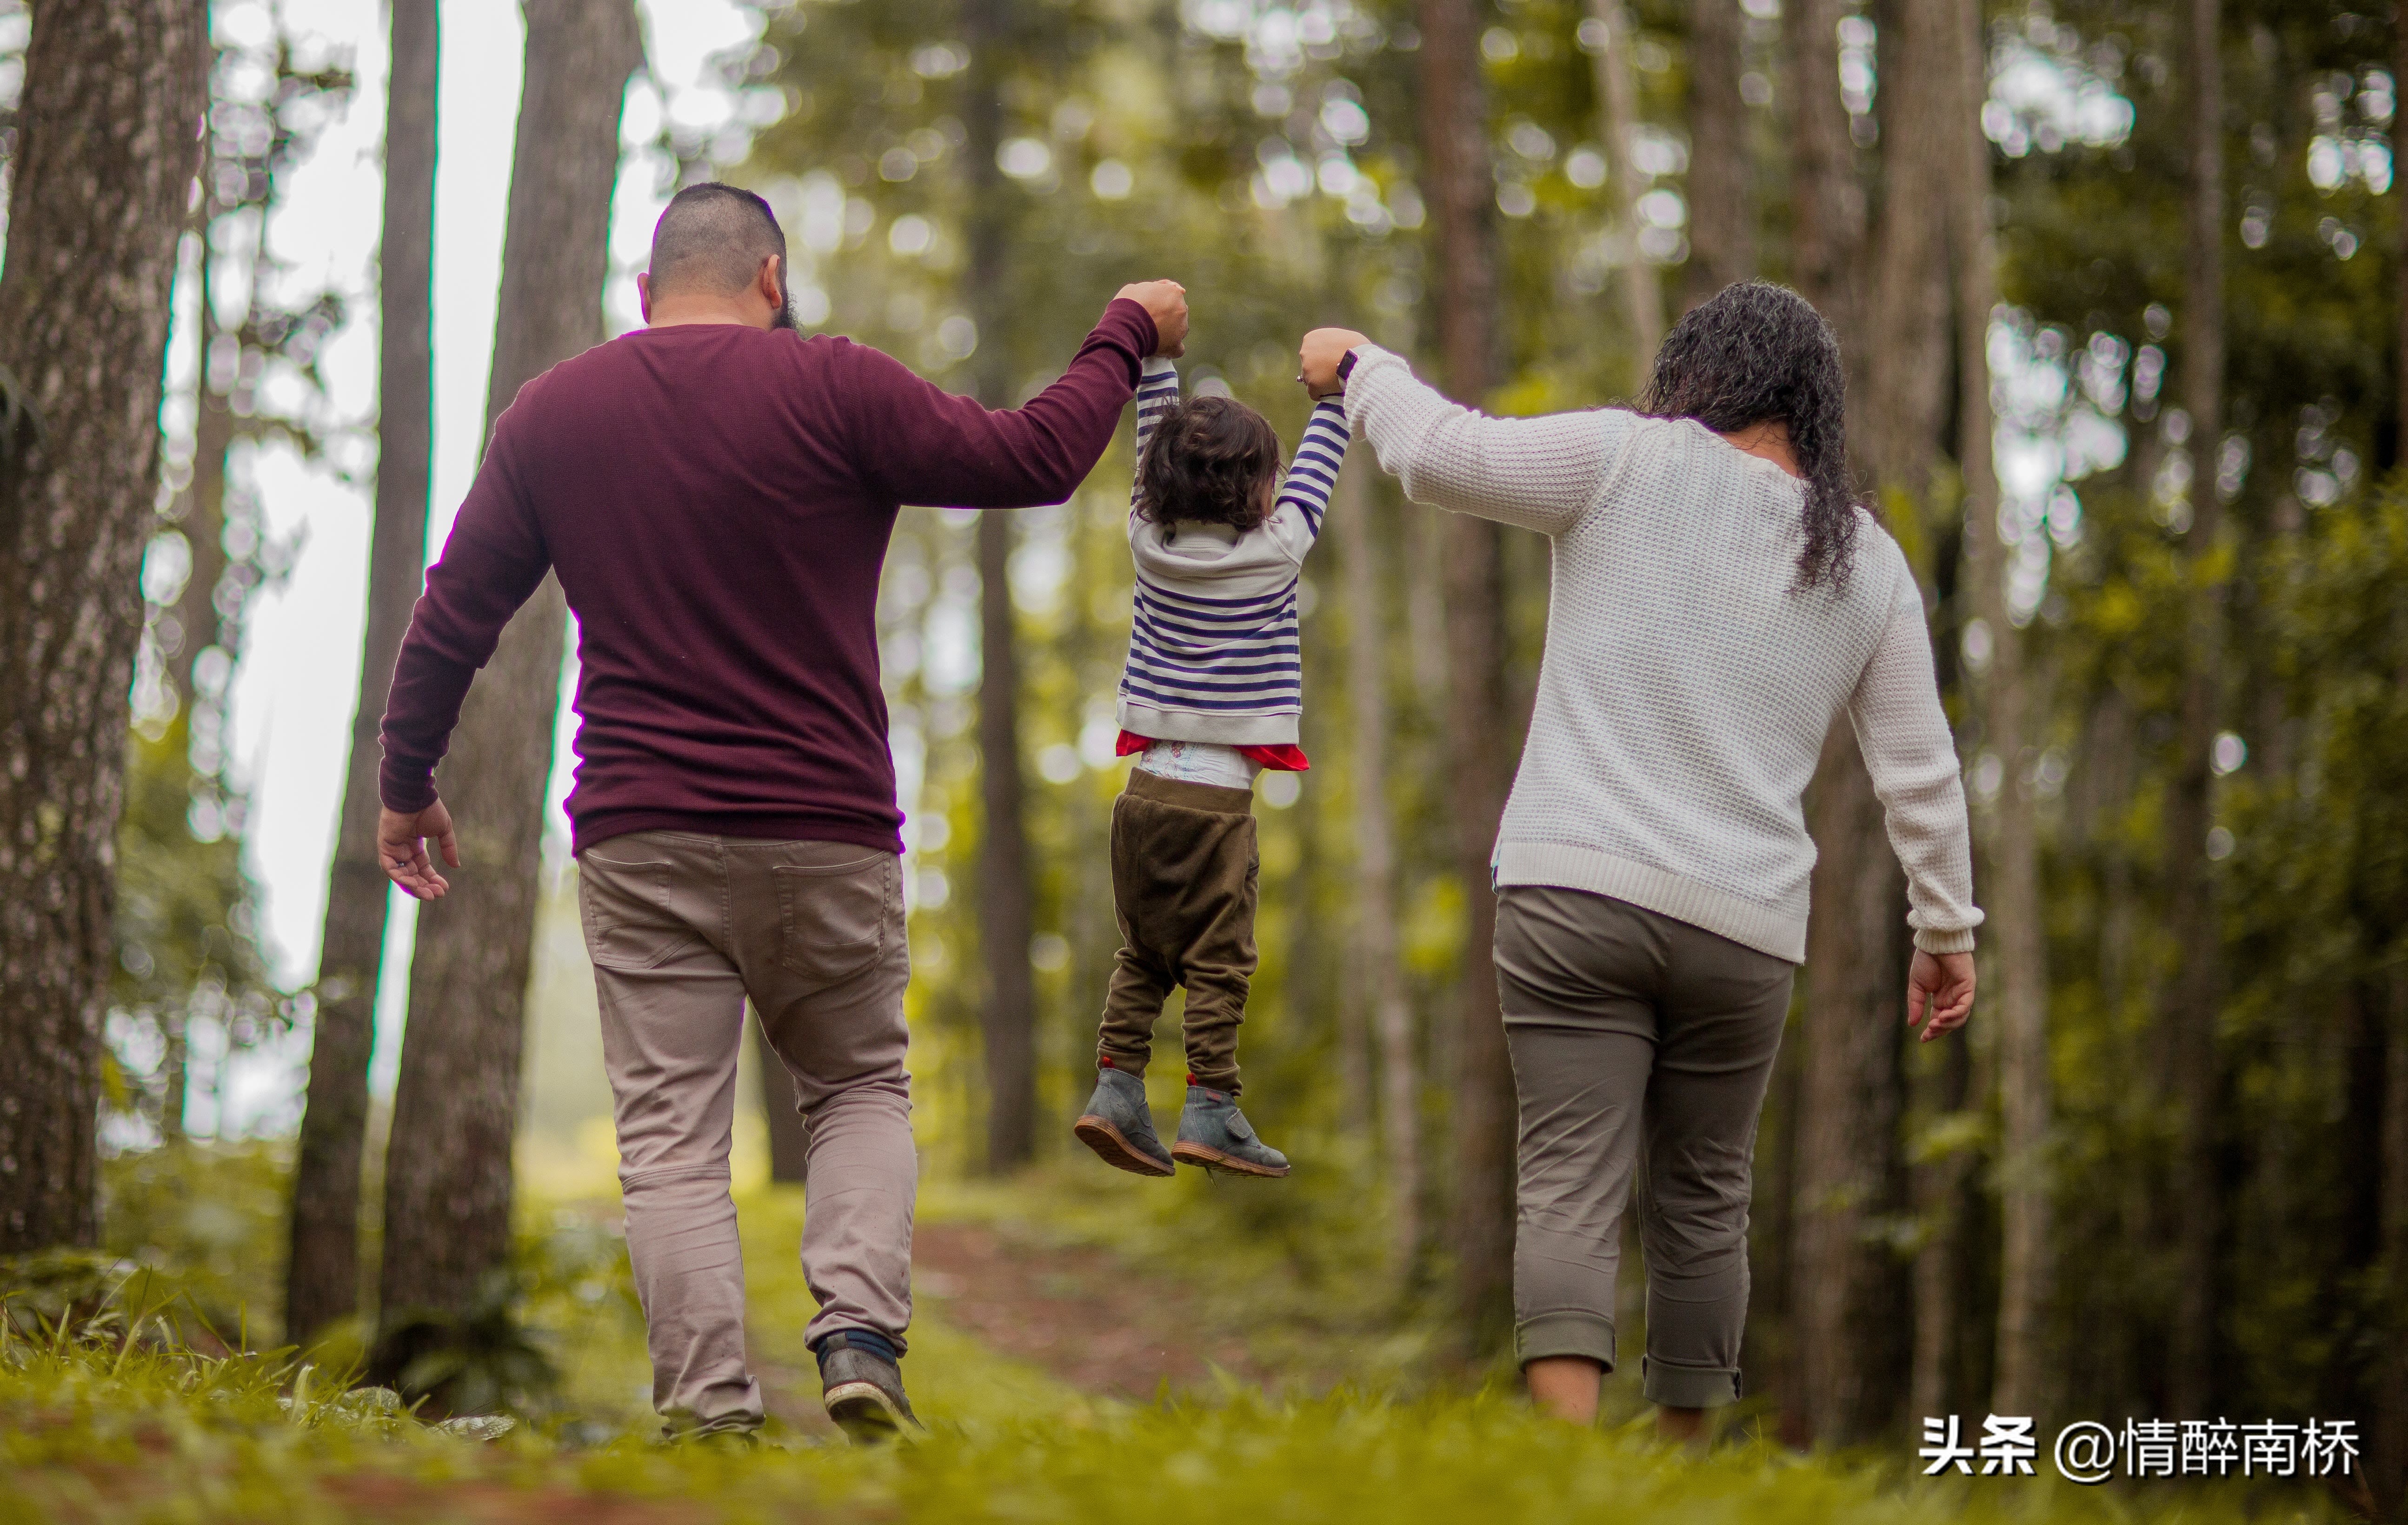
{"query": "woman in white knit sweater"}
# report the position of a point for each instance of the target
(1718, 599)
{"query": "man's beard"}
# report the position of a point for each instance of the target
(784, 316)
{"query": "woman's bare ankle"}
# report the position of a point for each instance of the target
(1685, 1425)
(1566, 1387)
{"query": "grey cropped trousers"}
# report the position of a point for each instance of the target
(682, 930)
(1641, 1047)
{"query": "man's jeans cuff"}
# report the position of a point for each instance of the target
(1688, 1386)
(1567, 1333)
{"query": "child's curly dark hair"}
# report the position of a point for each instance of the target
(1210, 461)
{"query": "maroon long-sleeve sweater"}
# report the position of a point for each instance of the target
(717, 501)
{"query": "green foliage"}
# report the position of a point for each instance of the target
(212, 1218)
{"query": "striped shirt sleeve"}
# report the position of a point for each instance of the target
(1158, 388)
(1313, 476)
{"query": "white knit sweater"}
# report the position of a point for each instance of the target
(1688, 683)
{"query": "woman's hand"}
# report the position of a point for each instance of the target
(1317, 360)
(401, 850)
(1939, 987)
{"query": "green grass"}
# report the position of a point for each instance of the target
(104, 1428)
(87, 1435)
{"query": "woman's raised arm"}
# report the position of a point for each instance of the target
(1541, 474)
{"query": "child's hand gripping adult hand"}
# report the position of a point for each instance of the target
(1167, 300)
(1318, 359)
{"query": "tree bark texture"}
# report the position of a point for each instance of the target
(1378, 987)
(2019, 961)
(1618, 100)
(1905, 309)
(323, 1271)
(1828, 196)
(108, 140)
(2197, 987)
(447, 1206)
(1008, 1020)
(1847, 1099)
(1722, 229)
(1457, 180)
(1847, 1121)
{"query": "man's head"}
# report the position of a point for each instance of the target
(717, 249)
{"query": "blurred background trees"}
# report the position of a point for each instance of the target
(2120, 284)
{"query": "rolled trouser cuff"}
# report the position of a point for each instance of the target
(1688, 1386)
(1567, 1333)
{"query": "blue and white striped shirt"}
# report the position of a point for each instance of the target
(1215, 653)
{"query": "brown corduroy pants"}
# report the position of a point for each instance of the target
(1183, 870)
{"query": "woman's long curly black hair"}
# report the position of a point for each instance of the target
(1757, 353)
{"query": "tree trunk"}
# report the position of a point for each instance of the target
(1378, 988)
(2190, 894)
(1008, 1025)
(108, 140)
(202, 522)
(1456, 179)
(1618, 100)
(1847, 1122)
(1722, 232)
(2390, 1455)
(1904, 317)
(322, 1274)
(1847, 1139)
(1008, 1022)
(2399, 149)
(447, 1205)
(1827, 197)
(2020, 962)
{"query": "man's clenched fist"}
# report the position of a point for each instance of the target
(1167, 300)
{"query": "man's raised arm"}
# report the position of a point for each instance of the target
(918, 444)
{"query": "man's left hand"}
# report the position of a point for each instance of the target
(401, 850)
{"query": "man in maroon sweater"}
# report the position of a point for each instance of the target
(716, 495)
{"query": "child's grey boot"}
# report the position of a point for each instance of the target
(1119, 1126)
(1213, 1133)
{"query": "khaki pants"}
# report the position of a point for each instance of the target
(683, 929)
(1183, 871)
(1641, 1046)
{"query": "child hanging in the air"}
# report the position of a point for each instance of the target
(1210, 696)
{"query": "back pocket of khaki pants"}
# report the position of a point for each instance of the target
(626, 911)
(832, 920)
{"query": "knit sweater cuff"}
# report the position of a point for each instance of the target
(1958, 941)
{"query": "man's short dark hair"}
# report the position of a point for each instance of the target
(712, 237)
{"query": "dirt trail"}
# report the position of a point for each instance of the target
(1085, 1316)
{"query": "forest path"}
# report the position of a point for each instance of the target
(1006, 1323)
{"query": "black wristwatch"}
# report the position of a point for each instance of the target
(1345, 368)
